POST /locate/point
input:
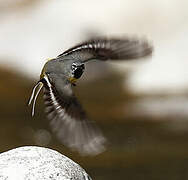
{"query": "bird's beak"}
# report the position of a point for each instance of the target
(72, 80)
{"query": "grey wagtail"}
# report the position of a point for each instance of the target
(68, 119)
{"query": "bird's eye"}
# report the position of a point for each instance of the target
(73, 67)
(77, 72)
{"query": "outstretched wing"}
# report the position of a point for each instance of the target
(109, 49)
(67, 118)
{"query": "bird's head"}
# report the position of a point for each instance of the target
(72, 71)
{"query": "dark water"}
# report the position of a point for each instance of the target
(145, 146)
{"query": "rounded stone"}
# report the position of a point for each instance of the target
(35, 163)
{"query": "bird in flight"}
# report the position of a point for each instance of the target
(67, 117)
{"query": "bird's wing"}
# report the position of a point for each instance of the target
(67, 118)
(109, 49)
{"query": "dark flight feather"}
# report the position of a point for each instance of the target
(69, 122)
(109, 49)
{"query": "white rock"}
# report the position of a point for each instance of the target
(31, 163)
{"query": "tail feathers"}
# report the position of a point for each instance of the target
(34, 96)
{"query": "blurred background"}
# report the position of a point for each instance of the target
(141, 106)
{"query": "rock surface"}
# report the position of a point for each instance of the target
(31, 163)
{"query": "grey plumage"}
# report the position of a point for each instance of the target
(67, 118)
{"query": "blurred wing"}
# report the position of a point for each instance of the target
(68, 120)
(109, 49)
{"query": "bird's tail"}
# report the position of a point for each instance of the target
(34, 96)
